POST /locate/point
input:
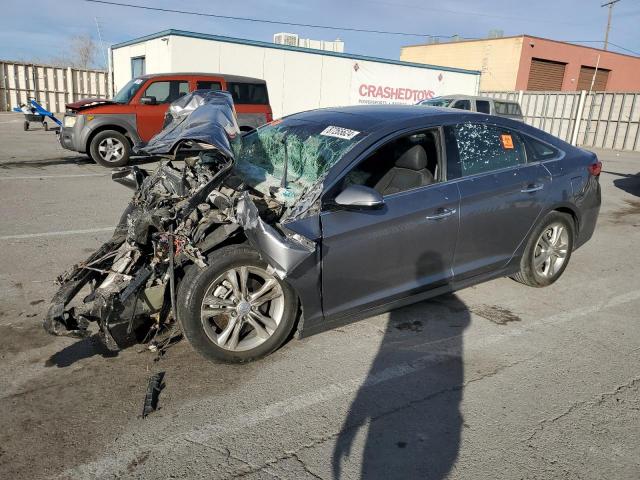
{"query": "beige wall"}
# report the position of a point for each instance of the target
(497, 59)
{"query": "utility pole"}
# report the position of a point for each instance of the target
(606, 33)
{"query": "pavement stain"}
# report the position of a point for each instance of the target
(136, 462)
(415, 326)
(496, 314)
(17, 338)
(632, 208)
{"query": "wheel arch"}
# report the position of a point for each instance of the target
(573, 212)
(115, 128)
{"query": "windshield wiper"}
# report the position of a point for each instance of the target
(283, 181)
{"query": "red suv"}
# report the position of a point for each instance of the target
(108, 129)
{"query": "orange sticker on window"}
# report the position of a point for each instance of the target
(507, 141)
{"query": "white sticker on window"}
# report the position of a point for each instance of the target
(138, 81)
(339, 132)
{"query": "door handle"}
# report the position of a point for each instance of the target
(532, 188)
(442, 214)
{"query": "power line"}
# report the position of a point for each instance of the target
(600, 41)
(272, 22)
(327, 27)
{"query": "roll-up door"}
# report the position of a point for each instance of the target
(586, 75)
(545, 75)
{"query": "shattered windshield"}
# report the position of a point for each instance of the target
(306, 150)
(437, 102)
(127, 92)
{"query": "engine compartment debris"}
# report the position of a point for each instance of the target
(156, 385)
(176, 217)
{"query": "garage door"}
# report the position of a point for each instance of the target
(586, 75)
(545, 75)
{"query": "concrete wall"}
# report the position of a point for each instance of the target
(498, 59)
(624, 72)
(296, 80)
(601, 119)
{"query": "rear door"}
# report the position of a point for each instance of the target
(483, 106)
(463, 104)
(501, 195)
(208, 83)
(151, 117)
(252, 103)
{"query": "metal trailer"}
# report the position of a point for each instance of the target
(34, 112)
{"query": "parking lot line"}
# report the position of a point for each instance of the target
(54, 234)
(39, 177)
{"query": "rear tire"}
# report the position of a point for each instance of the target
(46, 126)
(548, 251)
(110, 149)
(210, 325)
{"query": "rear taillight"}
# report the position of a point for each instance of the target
(595, 168)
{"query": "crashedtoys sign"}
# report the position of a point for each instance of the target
(384, 84)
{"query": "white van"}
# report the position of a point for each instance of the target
(502, 108)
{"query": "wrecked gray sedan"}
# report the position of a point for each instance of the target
(322, 218)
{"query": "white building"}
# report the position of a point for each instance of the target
(297, 78)
(293, 40)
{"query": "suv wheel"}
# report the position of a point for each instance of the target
(110, 149)
(548, 251)
(234, 310)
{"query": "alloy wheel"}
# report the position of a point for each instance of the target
(242, 308)
(111, 149)
(551, 250)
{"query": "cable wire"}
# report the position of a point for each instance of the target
(264, 20)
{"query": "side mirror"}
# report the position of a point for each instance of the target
(130, 177)
(150, 100)
(359, 197)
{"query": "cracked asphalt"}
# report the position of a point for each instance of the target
(496, 381)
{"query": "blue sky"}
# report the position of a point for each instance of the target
(41, 32)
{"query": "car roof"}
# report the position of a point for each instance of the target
(369, 117)
(227, 77)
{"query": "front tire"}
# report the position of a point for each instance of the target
(234, 310)
(548, 251)
(110, 149)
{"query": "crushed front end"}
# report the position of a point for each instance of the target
(175, 218)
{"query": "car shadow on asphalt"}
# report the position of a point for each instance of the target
(85, 348)
(629, 183)
(409, 404)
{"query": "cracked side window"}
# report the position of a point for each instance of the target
(484, 148)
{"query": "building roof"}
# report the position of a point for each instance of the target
(225, 76)
(519, 36)
(257, 43)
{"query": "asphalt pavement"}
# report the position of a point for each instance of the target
(496, 381)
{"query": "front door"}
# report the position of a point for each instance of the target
(371, 257)
(150, 118)
(501, 195)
